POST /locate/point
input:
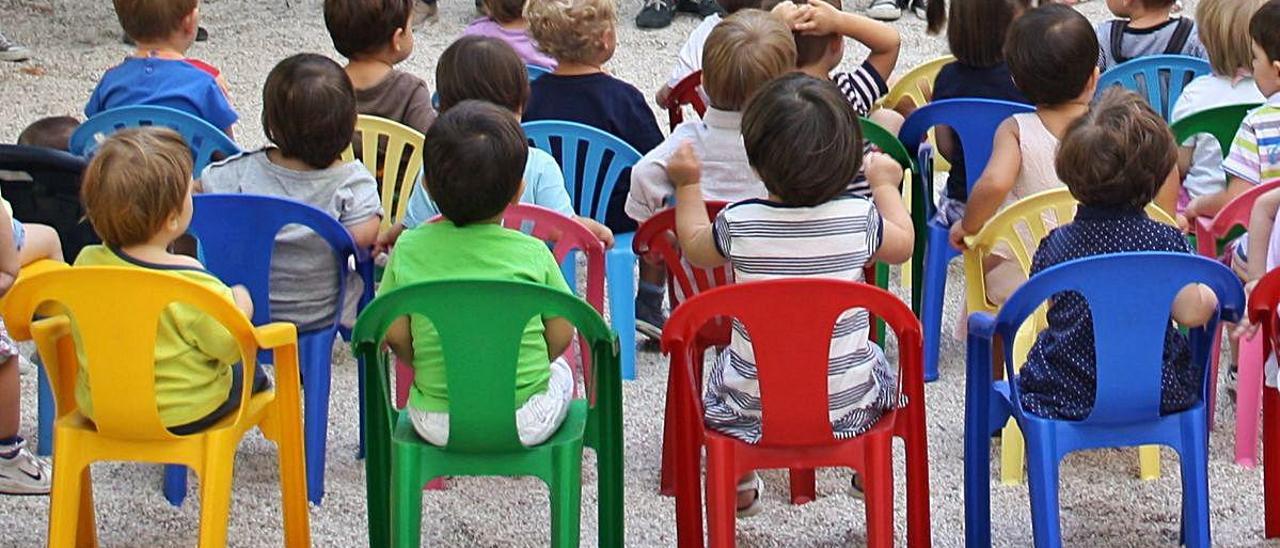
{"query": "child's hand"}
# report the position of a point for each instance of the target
(683, 168)
(242, 299)
(957, 236)
(817, 18)
(788, 12)
(881, 171)
(598, 230)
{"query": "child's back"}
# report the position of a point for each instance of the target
(505, 21)
(1145, 28)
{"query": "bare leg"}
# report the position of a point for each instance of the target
(11, 410)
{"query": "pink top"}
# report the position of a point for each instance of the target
(519, 40)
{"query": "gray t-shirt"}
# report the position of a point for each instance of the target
(303, 286)
(1137, 43)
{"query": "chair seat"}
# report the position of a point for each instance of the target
(784, 456)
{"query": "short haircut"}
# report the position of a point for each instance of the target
(1264, 28)
(570, 30)
(309, 109)
(145, 20)
(1218, 23)
(734, 6)
(473, 161)
(1119, 154)
(482, 68)
(1052, 53)
(743, 52)
(52, 132)
(364, 26)
(809, 48)
(976, 29)
(803, 139)
(137, 181)
(504, 11)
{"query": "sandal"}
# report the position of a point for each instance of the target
(753, 483)
(855, 486)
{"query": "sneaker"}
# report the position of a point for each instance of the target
(919, 8)
(422, 13)
(649, 317)
(704, 8)
(656, 14)
(855, 487)
(12, 52)
(22, 473)
(1230, 382)
(884, 10)
(754, 485)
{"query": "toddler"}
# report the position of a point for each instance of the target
(309, 115)
(505, 21)
(689, 58)
(473, 160)
(1145, 27)
(137, 193)
(1255, 153)
(159, 72)
(53, 132)
(803, 138)
(1113, 160)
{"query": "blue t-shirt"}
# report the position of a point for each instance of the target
(543, 186)
(957, 80)
(172, 83)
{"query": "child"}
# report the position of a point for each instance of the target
(159, 72)
(137, 193)
(53, 132)
(689, 58)
(1255, 153)
(1145, 27)
(802, 137)
(505, 21)
(36, 241)
(581, 36)
(375, 36)
(1113, 160)
(473, 159)
(309, 114)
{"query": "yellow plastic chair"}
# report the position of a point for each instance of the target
(917, 83)
(400, 164)
(1019, 229)
(116, 311)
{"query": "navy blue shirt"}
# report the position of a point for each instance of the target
(605, 103)
(1059, 380)
(172, 83)
(957, 80)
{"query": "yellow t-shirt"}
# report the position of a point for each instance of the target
(194, 352)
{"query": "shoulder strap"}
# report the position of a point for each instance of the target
(1180, 35)
(1117, 35)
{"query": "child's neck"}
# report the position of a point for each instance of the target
(155, 250)
(1142, 18)
(1057, 118)
(171, 48)
(518, 24)
(817, 70)
(569, 68)
(278, 158)
(366, 72)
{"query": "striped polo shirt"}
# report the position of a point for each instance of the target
(1255, 152)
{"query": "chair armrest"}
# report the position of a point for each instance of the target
(276, 335)
(982, 325)
(55, 327)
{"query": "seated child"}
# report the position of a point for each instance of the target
(473, 159)
(1145, 27)
(581, 36)
(37, 241)
(1113, 159)
(505, 21)
(309, 114)
(802, 137)
(375, 36)
(137, 193)
(689, 58)
(159, 72)
(53, 132)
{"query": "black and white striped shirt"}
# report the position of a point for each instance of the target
(861, 88)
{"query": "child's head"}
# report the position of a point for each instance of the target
(1127, 8)
(822, 51)
(1219, 23)
(473, 162)
(1119, 154)
(138, 186)
(159, 20)
(976, 29)
(52, 132)
(742, 53)
(803, 139)
(1052, 53)
(309, 109)
(574, 31)
(361, 28)
(485, 69)
(1264, 29)
(504, 11)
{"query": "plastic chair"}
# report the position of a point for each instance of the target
(593, 161)
(45, 413)
(1129, 322)
(116, 311)
(1171, 72)
(687, 92)
(207, 143)
(974, 122)
(889, 144)
(917, 83)
(536, 71)
(1264, 303)
(50, 195)
(480, 325)
(399, 161)
(1222, 123)
(791, 342)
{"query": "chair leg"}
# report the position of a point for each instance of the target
(406, 504)
(1194, 462)
(803, 485)
(878, 481)
(722, 497)
(936, 256)
(1042, 483)
(1248, 398)
(215, 495)
(293, 489)
(71, 520)
(620, 265)
(666, 477)
(1012, 451)
(360, 402)
(1214, 353)
(175, 483)
(1271, 461)
(316, 424)
(1149, 462)
(688, 479)
(45, 411)
(566, 497)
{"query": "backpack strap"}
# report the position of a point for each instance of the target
(1117, 35)
(1180, 35)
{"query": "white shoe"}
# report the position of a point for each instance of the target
(884, 10)
(24, 473)
(10, 51)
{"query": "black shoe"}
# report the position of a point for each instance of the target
(649, 317)
(657, 14)
(704, 8)
(919, 8)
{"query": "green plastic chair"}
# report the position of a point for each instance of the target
(889, 144)
(1222, 123)
(480, 324)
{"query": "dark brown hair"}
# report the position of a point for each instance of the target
(473, 161)
(365, 26)
(1052, 53)
(809, 48)
(145, 20)
(743, 52)
(803, 139)
(483, 68)
(504, 11)
(309, 109)
(52, 132)
(1264, 28)
(976, 29)
(137, 181)
(1119, 154)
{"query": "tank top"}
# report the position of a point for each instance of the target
(1039, 147)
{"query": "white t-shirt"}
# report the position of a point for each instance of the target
(1203, 93)
(689, 59)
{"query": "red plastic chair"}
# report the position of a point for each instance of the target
(686, 92)
(1264, 304)
(790, 322)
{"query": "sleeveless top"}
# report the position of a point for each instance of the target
(1039, 147)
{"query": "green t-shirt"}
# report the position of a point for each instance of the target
(442, 251)
(194, 352)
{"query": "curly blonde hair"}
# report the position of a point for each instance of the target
(571, 30)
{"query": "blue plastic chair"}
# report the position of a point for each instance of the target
(536, 71)
(974, 122)
(1129, 325)
(237, 233)
(1170, 72)
(592, 161)
(205, 141)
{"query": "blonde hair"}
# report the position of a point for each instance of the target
(742, 53)
(137, 181)
(1223, 26)
(570, 30)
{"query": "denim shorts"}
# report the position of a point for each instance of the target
(19, 234)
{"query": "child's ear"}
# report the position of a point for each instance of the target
(398, 38)
(191, 23)
(1275, 65)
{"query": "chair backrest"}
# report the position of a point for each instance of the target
(237, 233)
(1158, 78)
(43, 186)
(1220, 122)
(974, 122)
(790, 322)
(536, 71)
(592, 161)
(1264, 305)
(686, 92)
(1237, 211)
(1129, 321)
(392, 152)
(657, 236)
(565, 235)
(207, 143)
(480, 324)
(887, 142)
(116, 311)
(917, 83)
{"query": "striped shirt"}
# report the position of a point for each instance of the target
(766, 240)
(861, 88)
(1255, 152)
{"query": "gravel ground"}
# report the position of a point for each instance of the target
(76, 40)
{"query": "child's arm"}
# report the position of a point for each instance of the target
(365, 232)
(8, 253)
(1167, 195)
(697, 240)
(242, 299)
(1210, 204)
(559, 334)
(598, 230)
(897, 232)
(820, 18)
(997, 180)
(400, 339)
(1261, 223)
